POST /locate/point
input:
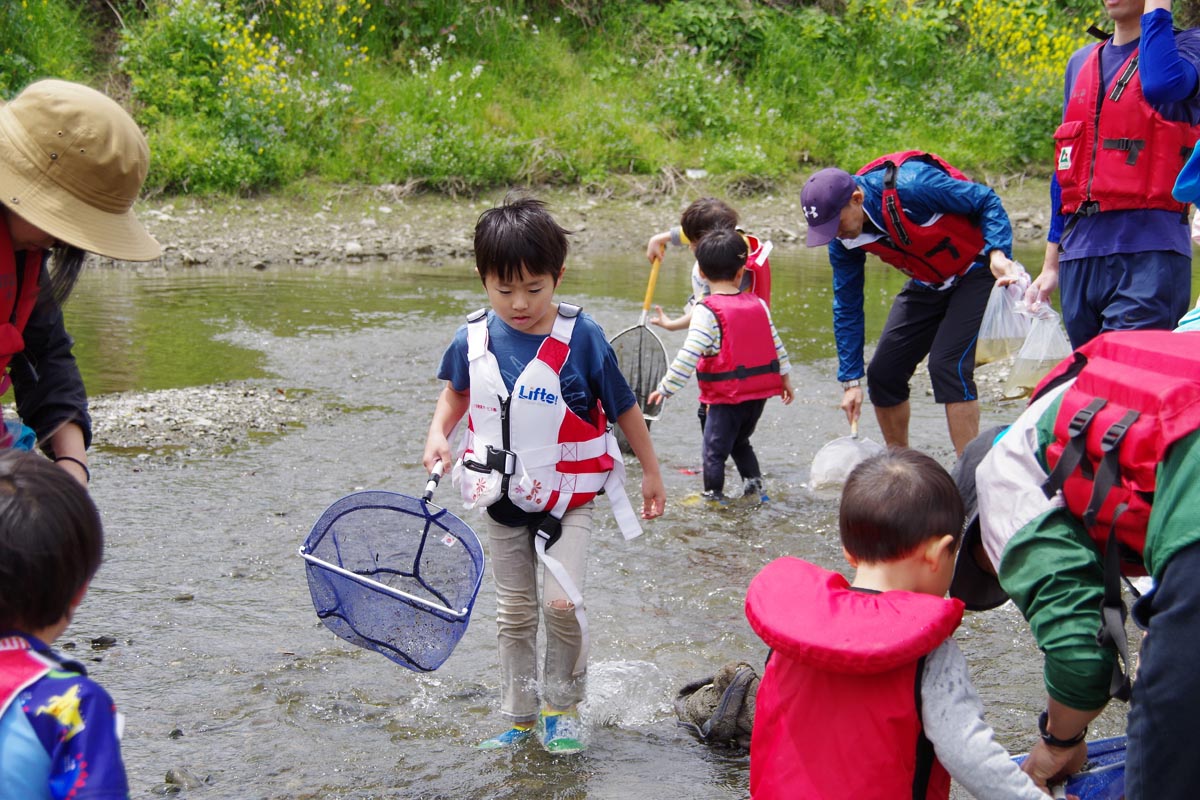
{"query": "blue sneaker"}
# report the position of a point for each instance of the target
(713, 498)
(510, 738)
(561, 732)
(753, 487)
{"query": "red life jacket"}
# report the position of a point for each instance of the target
(747, 366)
(836, 714)
(1135, 394)
(18, 295)
(941, 248)
(758, 267)
(945, 246)
(1113, 150)
(20, 666)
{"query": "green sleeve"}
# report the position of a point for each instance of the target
(1175, 517)
(1055, 576)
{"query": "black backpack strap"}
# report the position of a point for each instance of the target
(1109, 471)
(1074, 449)
(1112, 615)
(925, 754)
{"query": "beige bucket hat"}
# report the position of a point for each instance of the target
(72, 162)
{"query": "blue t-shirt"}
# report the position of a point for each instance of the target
(1163, 74)
(59, 738)
(590, 372)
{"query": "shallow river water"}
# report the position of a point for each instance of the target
(220, 664)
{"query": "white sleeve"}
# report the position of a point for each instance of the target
(952, 714)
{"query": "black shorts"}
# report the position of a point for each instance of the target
(943, 325)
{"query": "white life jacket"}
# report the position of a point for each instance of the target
(529, 444)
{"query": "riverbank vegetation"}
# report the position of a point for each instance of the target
(240, 96)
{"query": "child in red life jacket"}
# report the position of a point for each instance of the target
(739, 362)
(701, 216)
(538, 383)
(836, 715)
(59, 730)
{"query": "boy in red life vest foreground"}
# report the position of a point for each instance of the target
(739, 362)
(59, 730)
(836, 714)
(537, 452)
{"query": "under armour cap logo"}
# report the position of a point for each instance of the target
(811, 211)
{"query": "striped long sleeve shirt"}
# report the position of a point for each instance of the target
(704, 339)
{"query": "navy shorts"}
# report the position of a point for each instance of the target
(943, 325)
(1124, 291)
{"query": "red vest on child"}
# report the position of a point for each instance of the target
(836, 714)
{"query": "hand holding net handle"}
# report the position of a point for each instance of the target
(432, 483)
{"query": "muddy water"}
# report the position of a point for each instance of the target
(220, 664)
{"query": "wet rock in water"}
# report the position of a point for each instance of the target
(183, 778)
(103, 642)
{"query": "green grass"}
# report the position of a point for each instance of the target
(239, 96)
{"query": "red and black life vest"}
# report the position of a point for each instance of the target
(18, 296)
(1113, 150)
(1135, 394)
(747, 366)
(758, 267)
(838, 708)
(935, 252)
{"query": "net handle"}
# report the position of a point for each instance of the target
(382, 587)
(650, 289)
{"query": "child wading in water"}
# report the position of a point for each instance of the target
(836, 715)
(538, 381)
(739, 362)
(59, 730)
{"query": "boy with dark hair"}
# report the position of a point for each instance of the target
(699, 218)
(836, 715)
(59, 730)
(739, 361)
(538, 383)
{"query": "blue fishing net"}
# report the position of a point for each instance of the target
(394, 574)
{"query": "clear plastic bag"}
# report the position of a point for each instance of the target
(1044, 347)
(1003, 330)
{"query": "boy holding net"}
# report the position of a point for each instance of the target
(59, 730)
(739, 361)
(537, 451)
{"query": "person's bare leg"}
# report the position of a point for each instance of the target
(963, 421)
(893, 422)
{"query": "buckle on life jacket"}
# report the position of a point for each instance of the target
(1088, 208)
(502, 461)
(1132, 146)
(1074, 449)
(1110, 467)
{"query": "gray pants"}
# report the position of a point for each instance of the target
(515, 570)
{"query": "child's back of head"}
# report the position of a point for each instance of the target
(519, 236)
(894, 502)
(51, 541)
(720, 254)
(705, 215)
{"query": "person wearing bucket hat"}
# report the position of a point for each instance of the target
(1099, 480)
(72, 162)
(1117, 248)
(953, 238)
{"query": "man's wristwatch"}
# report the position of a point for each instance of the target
(854, 384)
(1053, 740)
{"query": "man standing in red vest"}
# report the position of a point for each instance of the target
(1118, 249)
